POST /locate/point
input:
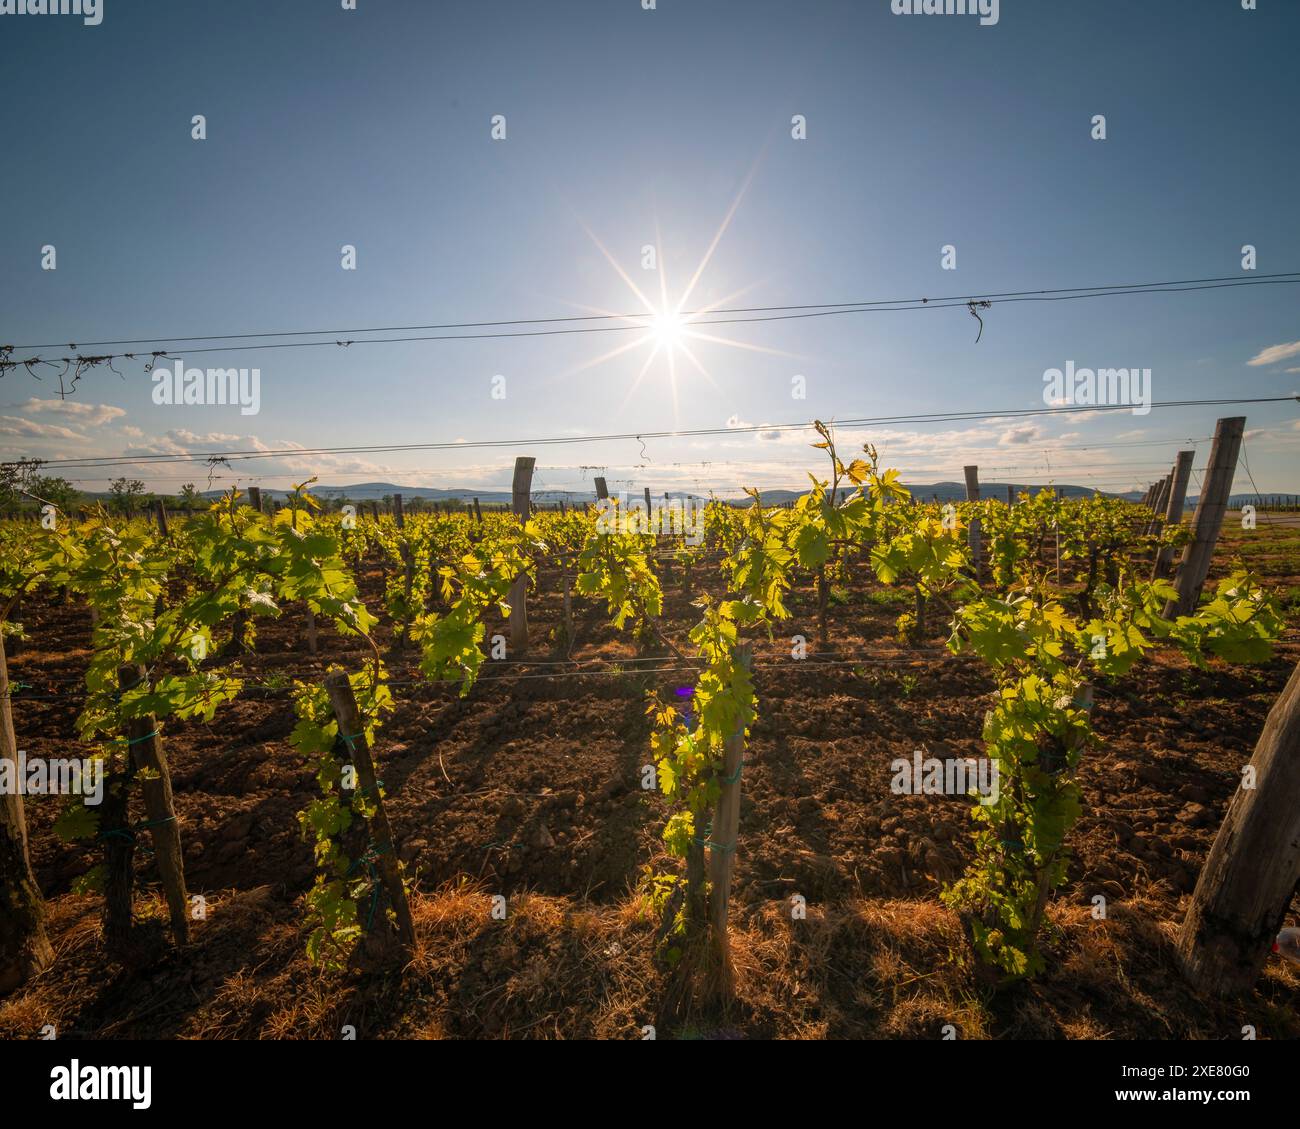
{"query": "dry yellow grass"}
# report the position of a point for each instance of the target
(560, 968)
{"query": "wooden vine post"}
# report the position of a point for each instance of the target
(164, 532)
(602, 490)
(1159, 502)
(408, 561)
(150, 762)
(1208, 520)
(568, 609)
(726, 826)
(1249, 879)
(344, 703)
(255, 498)
(973, 537)
(119, 850)
(521, 494)
(24, 946)
(1178, 479)
(823, 605)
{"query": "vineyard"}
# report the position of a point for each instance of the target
(575, 772)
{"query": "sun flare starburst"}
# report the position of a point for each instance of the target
(667, 328)
(667, 325)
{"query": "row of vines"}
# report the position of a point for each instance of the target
(173, 609)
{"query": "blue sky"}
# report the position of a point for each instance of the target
(372, 128)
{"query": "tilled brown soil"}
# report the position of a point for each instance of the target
(531, 788)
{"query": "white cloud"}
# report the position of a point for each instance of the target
(29, 429)
(278, 471)
(78, 411)
(1018, 436)
(1275, 353)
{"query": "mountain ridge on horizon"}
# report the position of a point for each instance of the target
(375, 491)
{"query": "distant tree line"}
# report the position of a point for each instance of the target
(24, 490)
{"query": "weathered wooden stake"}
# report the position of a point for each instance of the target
(1208, 520)
(973, 538)
(823, 604)
(1179, 478)
(408, 562)
(255, 498)
(726, 825)
(119, 854)
(156, 789)
(24, 946)
(344, 703)
(1249, 879)
(521, 492)
(602, 491)
(1159, 501)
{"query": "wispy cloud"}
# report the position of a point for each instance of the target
(1019, 436)
(75, 411)
(1276, 353)
(30, 429)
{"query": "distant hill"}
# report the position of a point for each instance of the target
(1261, 500)
(956, 491)
(375, 491)
(943, 491)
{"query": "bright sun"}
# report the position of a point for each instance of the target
(667, 328)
